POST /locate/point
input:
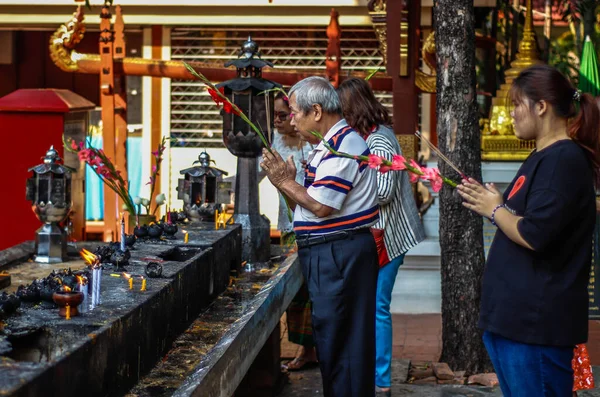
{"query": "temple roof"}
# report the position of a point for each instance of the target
(539, 5)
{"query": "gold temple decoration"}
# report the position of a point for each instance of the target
(65, 39)
(408, 144)
(378, 14)
(425, 81)
(498, 141)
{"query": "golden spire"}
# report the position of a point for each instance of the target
(500, 143)
(528, 54)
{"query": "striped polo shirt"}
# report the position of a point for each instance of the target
(347, 185)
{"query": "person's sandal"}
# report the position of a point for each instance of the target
(299, 364)
(380, 392)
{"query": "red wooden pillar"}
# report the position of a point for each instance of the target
(156, 106)
(119, 52)
(401, 64)
(107, 100)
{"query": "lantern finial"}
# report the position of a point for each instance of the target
(249, 49)
(52, 156)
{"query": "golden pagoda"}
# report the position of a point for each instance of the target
(498, 141)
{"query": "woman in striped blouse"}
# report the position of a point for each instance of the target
(399, 227)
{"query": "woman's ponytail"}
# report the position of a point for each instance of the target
(585, 128)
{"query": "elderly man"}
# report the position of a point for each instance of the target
(332, 215)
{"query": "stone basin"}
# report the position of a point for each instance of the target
(106, 351)
(213, 356)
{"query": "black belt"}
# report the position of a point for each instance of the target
(307, 241)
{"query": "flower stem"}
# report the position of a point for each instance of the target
(386, 162)
(236, 109)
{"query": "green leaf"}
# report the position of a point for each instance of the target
(372, 73)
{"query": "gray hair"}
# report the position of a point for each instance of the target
(316, 90)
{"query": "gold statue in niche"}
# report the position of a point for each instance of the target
(426, 82)
(498, 141)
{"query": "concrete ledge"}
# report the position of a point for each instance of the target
(220, 372)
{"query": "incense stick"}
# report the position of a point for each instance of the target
(440, 154)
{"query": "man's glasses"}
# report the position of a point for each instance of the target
(282, 115)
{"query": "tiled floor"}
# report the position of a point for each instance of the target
(416, 337)
(417, 291)
(417, 322)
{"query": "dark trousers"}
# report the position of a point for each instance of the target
(342, 283)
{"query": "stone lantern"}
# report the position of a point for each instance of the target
(49, 190)
(247, 91)
(198, 189)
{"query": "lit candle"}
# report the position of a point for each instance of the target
(122, 232)
(131, 283)
(143, 284)
(83, 288)
(186, 237)
(216, 219)
(68, 308)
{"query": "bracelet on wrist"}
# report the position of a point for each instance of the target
(493, 217)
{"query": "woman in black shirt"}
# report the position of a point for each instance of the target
(534, 305)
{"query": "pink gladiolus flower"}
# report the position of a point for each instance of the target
(85, 155)
(95, 161)
(151, 181)
(375, 161)
(433, 176)
(414, 178)
(155, 153)
(153, 169)
(437, 183)
(74, 145)
(398, 163)
(384, 168)
(416, 165)
(105, 172)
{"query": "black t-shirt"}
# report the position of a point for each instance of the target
(540, 296)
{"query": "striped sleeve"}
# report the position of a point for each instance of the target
(334, 179)
(379, 145)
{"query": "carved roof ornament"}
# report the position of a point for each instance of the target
(333, 53)
(65, 39)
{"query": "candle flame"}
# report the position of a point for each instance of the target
(88, 257)
(127, 275)
(67, 288)
(80, 279)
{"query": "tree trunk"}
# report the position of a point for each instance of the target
(461, 234)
